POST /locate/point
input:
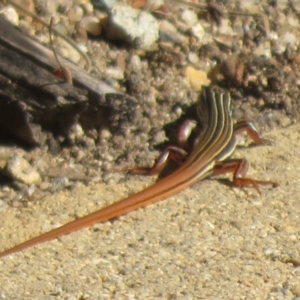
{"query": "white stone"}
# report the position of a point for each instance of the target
(189, 17)
(127, 22)
(11, 15)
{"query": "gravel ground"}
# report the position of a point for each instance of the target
(208, 242)
(221, 242)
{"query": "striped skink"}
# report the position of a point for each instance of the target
(213, 145)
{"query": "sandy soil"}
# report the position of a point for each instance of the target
(209, 242)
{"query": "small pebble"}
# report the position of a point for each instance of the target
(178, 110)
(135, 63)
(91, 24)
(128, 24)
(11, 15)
(154, 4)
(80, 155)
(189, 17)
(285, 121)
(293, 21)
(296, 290)
(114, 73)
(88, 8)
(263, 50)
(225, 28)
(288, 38)
(52, 7)
(198, 31)
(76, 132)
(196, 78)
(75, 13)
(3, 205)
(18, 168)
(30, 190)
(60, 183)
(166, 26)
(44, 185)
(193, 57)
(105, 134)
(68, 51)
